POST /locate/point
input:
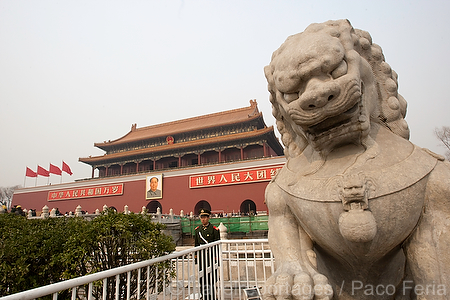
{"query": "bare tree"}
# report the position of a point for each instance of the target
(443, 134)
(6, 195)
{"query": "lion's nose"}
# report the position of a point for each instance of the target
(318, 93)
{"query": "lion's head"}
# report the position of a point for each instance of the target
(327, 85)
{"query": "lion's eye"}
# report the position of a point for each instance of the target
(290, 97)
(340, 70)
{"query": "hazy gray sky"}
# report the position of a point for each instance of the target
(73, 73)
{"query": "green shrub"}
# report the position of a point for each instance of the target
(115, 239)
(30, 252)
(38, 252)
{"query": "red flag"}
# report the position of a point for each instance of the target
(30, 173)
(54, 170)
(66, 168)
(43, 172)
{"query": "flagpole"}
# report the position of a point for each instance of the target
(24, 180)
(35, 184)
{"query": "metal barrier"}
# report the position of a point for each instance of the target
(221, 270)
(233, 224)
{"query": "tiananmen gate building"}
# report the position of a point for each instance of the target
(221, 161)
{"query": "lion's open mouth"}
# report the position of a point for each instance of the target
(336, 123)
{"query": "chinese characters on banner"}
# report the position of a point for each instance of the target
(236, 177)
(87, 192)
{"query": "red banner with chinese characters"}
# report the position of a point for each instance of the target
(234, 177)
(86, 192)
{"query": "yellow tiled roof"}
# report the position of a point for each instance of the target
(186, 125)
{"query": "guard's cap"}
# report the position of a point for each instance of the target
(204, 212)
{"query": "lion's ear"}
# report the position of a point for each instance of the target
(268, 74)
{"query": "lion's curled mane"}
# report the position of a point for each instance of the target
(391, 105)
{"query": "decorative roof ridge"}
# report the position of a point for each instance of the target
(253, 104)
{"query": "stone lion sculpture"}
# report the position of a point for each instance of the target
(357, 212)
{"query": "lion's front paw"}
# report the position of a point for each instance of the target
(299, 286)
(322, 289)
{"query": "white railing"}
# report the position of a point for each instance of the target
(245, 264)
(223, 268)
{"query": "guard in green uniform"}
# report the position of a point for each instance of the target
(204, 234)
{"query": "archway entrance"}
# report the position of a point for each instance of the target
(152, 206)
(202, 204)
(248, 207)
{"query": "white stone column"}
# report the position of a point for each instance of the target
(223, 232)
(44, 213)
(78, 211)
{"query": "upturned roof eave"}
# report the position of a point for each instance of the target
(123, 140)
